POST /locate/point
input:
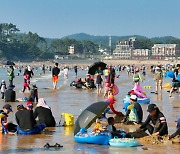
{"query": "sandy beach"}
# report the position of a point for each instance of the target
(70, 100)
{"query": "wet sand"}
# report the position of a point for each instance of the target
(71, 100)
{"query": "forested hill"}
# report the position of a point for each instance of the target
(30, 46)
(142, 41)
(103, 40)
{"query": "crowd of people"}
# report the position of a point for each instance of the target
(155, 123)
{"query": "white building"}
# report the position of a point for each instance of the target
(162, 51)
(140, 54)
(124, 49)
(71, 49)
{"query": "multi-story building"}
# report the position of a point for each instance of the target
(140, 54)
(163, 51)
(124, 49)
(71, 49)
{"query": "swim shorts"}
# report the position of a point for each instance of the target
(55, 78)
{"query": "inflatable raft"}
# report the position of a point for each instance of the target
(101, 138)
(123, 142)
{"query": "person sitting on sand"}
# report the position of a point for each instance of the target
(3, 118)
(134, 113)
(158, 120)
(98, 127)
(44, 114)
(26, 121)
(177, 131)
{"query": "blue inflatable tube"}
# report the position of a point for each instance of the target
(143, 100)
(124, 142)
(101, 138)
(139, 100)
(35, 130)
(178, 77)
(169, 74)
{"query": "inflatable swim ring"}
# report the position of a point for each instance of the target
(137, 87)
(139, 94)
(139, 100)
(101, 138)
(169, 74)
(115, 89)
(123, 142)
(178, 77)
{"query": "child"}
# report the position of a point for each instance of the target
(34, 93)
(26, 82)
(99, 81)
(3, 88)
(110, 127)
(137, 77)
(98, 127)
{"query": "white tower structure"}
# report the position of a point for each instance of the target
(110, 44)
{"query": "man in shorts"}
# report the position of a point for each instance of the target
(99, 82)
(55, 73)
(158, 77)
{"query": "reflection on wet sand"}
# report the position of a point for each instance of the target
(71, 100)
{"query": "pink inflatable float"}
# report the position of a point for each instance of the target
(138, 91)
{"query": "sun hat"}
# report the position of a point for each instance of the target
(133, 97)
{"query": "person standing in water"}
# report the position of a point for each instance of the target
(55, 73)
(158, 77)
(75, 70)
(11, 75)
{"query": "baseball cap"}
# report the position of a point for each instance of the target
(29, 104)
(151, 107)
(133, 97)
(8, 107)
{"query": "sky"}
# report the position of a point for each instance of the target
(58, 18)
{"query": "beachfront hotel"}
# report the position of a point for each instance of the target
(163, 51)
(142, 54)
(124, 49)
(127, 50)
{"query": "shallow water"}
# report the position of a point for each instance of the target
(71, 100)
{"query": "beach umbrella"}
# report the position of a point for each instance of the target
(89, 115)
(94, 67)
(10, 63)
